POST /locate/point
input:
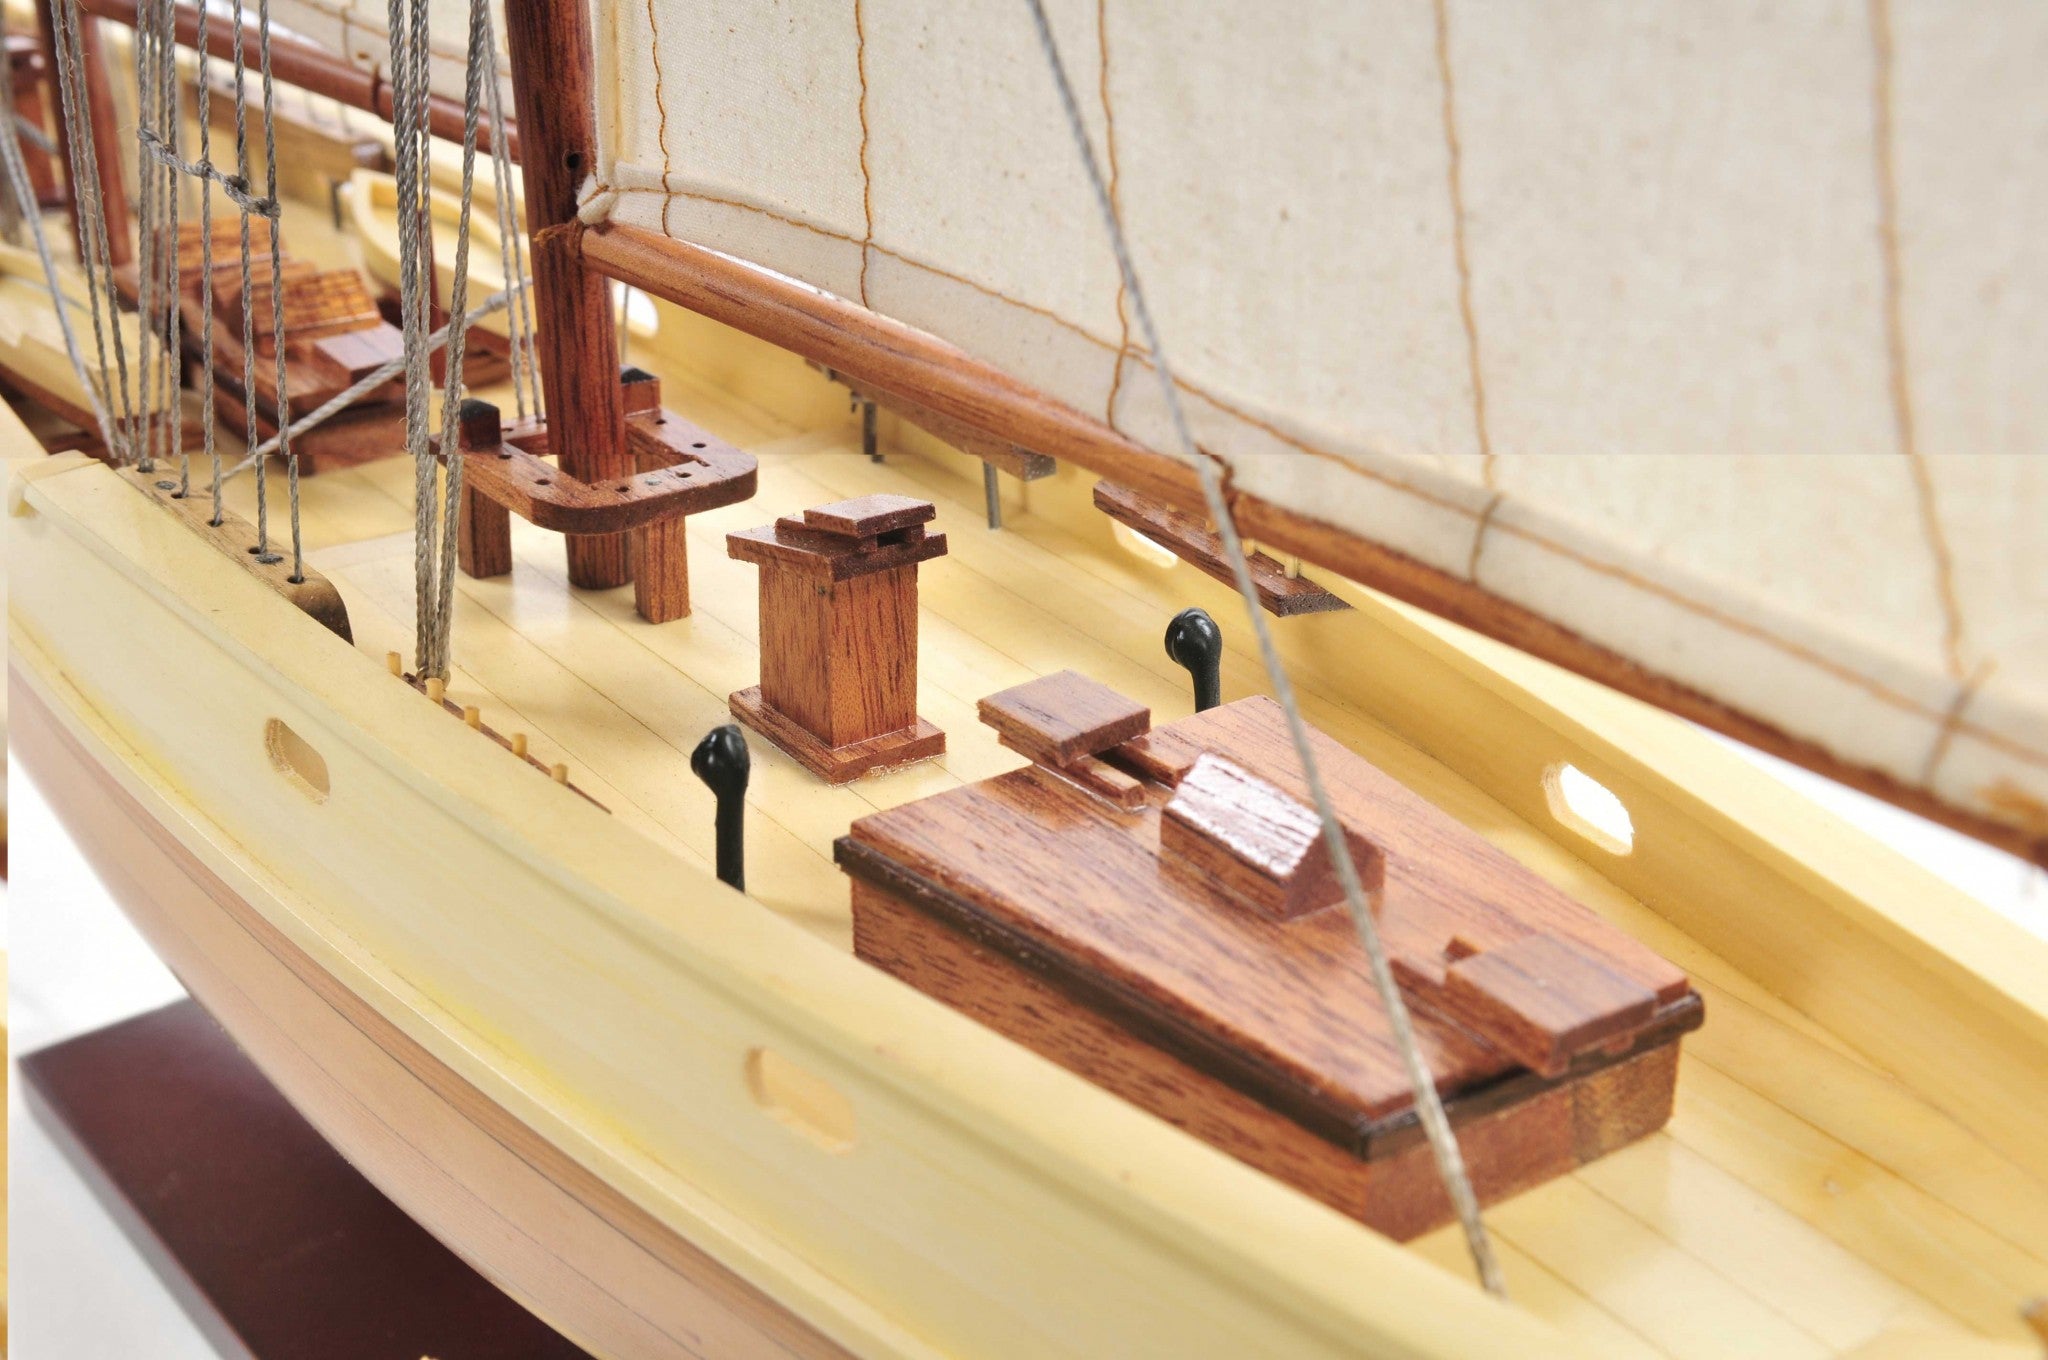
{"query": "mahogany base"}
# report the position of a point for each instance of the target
(837, 764)
(275, 1246)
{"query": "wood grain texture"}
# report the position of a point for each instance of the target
(294, 61)
(870, 348)
(838, 764)
(1258, 843)
(318, 303)
(1058, 719)
(997, 452)
(483, 542)
(553, 65)
(853, 342)
(1284, 1010)
(1542, 1000)
(1508, 1147)
(788, 547)
(839, 635)
(678, 470)
(1803, 1191)
(661, 570)
(1193, 541)
(237, 540)
(685, 977)
(869, 516)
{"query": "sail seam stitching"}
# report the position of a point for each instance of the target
(1454, 174)
(867, 183)
(661, 113)
(1952, 720)
(1123, 316)
(1895, 334)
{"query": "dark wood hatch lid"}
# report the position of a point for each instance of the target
(1513, 984)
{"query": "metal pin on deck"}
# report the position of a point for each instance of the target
(992, 492)
(722, 762)
(1193, 640)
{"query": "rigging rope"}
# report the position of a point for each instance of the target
(139, 434)
(284, 399)
(95, 253)
(203, 93)
(22, 191)
(241, 61)
(511, 247)
(434, 534)
(1429, 1105)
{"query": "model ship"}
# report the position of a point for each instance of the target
(1007, 982)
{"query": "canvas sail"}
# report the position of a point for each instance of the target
(1788, 258)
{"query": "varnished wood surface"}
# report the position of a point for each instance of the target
(1508, 1146)
(679, 470)
(1059, 718)
(1282, 1008)
(295, 61)
(276, 1247)
(1187, 537)
(267, 557)
(553, 61)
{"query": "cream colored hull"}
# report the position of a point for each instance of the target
(1856, 1159)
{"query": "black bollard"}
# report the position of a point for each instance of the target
(721, 761)
(1193, 640)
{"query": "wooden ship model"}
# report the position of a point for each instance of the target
(863, 936)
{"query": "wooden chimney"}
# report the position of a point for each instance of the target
(838, 684)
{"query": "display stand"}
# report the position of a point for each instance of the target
(274, 1245)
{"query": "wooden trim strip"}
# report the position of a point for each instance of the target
(874, 350)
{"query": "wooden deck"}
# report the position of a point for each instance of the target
(1801, 1202)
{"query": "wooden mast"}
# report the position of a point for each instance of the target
(552, 65)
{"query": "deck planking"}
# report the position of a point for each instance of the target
(1772, 1216)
